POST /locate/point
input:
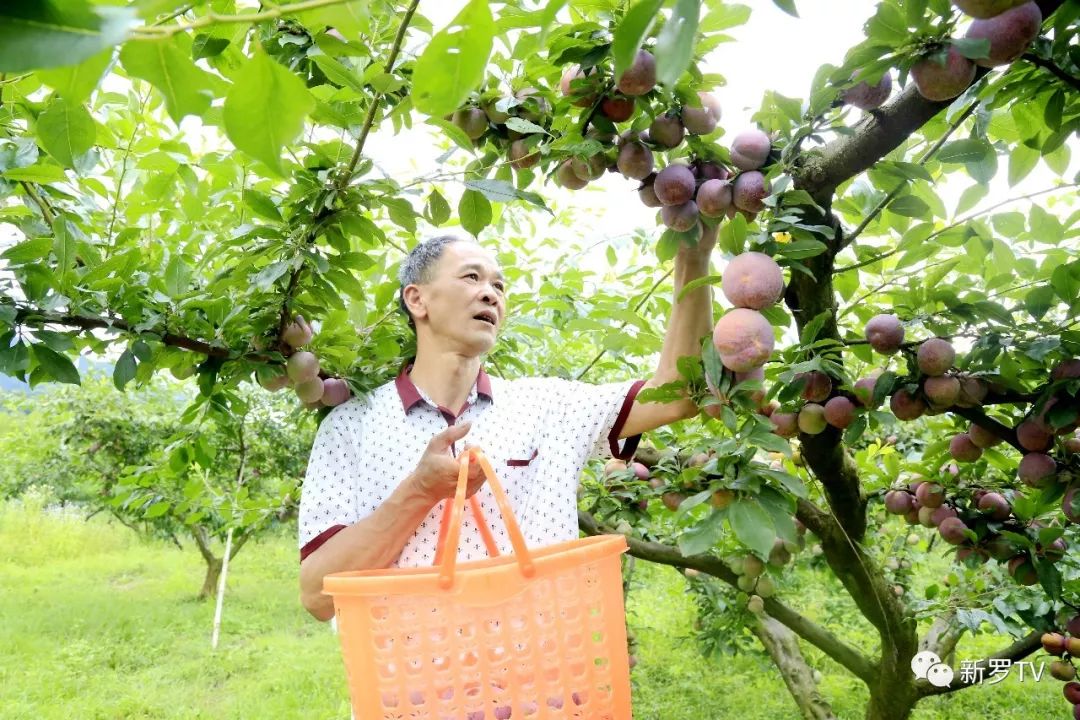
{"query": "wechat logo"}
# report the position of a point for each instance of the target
(928, 666)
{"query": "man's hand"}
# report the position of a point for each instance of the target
(436, 474)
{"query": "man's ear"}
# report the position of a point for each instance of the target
(414, 300)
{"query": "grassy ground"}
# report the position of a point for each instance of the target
(98, 624)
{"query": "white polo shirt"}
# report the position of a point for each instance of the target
(538, 433)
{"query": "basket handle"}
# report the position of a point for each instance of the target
(450, 528)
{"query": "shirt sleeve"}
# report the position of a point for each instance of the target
(590, 417)
(328, 496)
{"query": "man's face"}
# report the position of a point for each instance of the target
(465, 302)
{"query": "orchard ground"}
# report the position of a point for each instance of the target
(101, 624)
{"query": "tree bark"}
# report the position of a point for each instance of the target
(210, 582)
(783, 648)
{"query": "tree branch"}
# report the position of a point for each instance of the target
(155, 32)
(320, 210)
(966, 218)
(25, 314)
(813, 633)
(981, 419)
(900, 186)
(373, 108)
(1053, 69)
(783, 648)
(1018, 650)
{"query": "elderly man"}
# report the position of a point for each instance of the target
(383, 465)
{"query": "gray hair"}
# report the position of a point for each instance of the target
(419, 266)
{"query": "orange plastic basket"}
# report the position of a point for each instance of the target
(537, 634)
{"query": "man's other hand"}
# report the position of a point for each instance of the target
(437, 472)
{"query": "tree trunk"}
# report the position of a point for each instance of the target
(213, 573)
(891, 699)
(783, 648)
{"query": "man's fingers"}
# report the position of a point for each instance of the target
(443, 440)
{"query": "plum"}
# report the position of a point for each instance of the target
(750, 149)
(674, 185)
(714, 197)
(640, 77)
(936, 356)
(885, 333)
(744, 339)
(749, 191)
(752, 280)
(938, 81)
(1010, 33)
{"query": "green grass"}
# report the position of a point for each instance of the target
(100, 624)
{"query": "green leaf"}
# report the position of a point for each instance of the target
(675, 46)
(185, 86)
(1066, 281)
(438, 210)
(66, 130)
(36, 34)
(63, 245)
(265, 109)
(702, 537)
(810, 332)
(36, 174)
(124, 370)
(77, 82)
(157, 510)
(55, 366)
(631, 33)
(787, 6)
(28, 251)
(262, 204)
(1049, 578)
(1022, 160)
(964, 151)
(972, 48)
(499, 191)
(752, 525)
(207, 46)
(453, 63)
(177, 276)
(474, 211)
(350, 18)
(266, 277)
(548, 16)
(1038, 301)
(909, 206)
(524, 127)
